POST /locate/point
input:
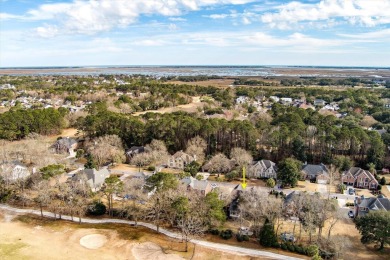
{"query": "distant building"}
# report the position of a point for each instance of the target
(316, 172)
(319, 102)
(242, 100)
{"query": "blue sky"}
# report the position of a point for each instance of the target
(194, 32)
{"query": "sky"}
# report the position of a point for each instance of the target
(194, 32)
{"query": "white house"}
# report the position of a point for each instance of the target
(13, 171)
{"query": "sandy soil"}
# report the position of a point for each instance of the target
(191, 107)
(93, 241)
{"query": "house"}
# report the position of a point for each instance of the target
(202, 186)
(263, 169)
(12, 171)
(364, 205)
(319, 102)
(242, 100)
(286, 101)
(316, 172)
(66, 145)
(274, 98)
(180, 159)
(359, 178)
(95, 178)
(135, 150)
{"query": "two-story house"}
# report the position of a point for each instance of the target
(359, 178)
(180, 159)
(263, 169)
(202, 186)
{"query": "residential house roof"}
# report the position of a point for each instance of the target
(66, 142)
(355, 171)
(380, 203)
(315, 169)
(136, 150)
(185, 157)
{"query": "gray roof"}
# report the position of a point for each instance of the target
(315, 169)
(66, 142)
(136, 150)
(195, 184)
(375, 203)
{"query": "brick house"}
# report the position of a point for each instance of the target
(359, 178)
(364, 205)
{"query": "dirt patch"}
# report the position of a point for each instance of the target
(93, 241)
(149, 250)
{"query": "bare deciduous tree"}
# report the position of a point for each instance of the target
(106, 148)
(219, 163)
(241, 156)
(197, 146)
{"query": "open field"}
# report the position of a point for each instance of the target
(190, 108)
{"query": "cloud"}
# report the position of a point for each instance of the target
(245, 17)
(356, 12)
(177, 19)
(376, 35)
(93, 16)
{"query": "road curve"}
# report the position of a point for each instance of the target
(217, 246)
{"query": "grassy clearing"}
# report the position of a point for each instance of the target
(11, 251)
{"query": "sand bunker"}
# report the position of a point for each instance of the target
(93, 241)
(149, 250)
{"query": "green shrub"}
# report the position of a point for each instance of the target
(214, 232)
(241, 238)
(349, 204)
(283, 246)
(267, 236)
(96, 209)
(290, 247)
(226, 234)
(312, 250)
(151, 168)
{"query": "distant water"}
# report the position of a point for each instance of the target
(160, 71)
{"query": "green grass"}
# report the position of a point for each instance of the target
(126, 232)
(11, 251)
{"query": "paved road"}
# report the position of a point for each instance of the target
(217, 246)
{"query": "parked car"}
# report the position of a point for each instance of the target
(287, 237)
(351, 191)
(351, 214)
